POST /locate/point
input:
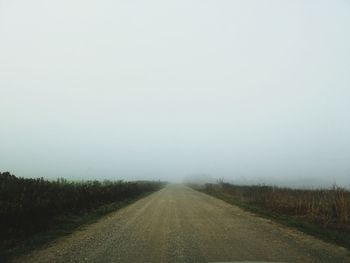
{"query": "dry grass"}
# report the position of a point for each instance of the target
(327, 207)
(324, 213)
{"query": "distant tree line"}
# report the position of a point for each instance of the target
(32, 205)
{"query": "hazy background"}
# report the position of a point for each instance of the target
(252, 91)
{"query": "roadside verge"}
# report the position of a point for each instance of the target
(338, 236)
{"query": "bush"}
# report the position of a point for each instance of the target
(31, 205)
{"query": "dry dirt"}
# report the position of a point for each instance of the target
(178, 224)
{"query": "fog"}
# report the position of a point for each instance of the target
(248, 91)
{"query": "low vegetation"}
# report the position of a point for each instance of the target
(322, 212)
(32, 206)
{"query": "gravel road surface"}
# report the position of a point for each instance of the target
(178, 224)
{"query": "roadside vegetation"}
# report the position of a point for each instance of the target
(35, 210)
(324, 213)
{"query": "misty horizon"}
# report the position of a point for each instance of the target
(248, 91)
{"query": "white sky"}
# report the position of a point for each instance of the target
(163, 89)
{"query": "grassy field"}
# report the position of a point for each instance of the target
(34, 211)
(324, 213)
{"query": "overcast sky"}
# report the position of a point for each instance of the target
(245, 90)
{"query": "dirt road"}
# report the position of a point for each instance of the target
(178, 224)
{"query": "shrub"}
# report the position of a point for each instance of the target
(31, 205)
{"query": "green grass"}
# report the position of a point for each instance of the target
(336, 236)
(61, 227)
